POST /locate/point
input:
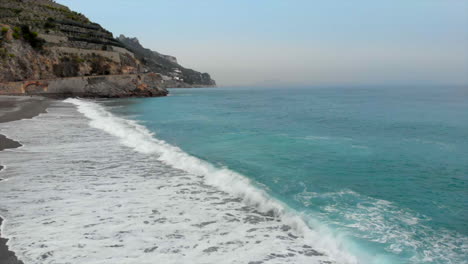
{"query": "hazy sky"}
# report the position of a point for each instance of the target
(242, 42)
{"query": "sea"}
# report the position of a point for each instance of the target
(370, 175)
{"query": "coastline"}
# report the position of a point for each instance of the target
(13, 108)
(186, 207)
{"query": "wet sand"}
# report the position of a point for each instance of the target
(21, 107)
(14, 108)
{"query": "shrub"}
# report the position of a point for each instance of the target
(3, 53)
(16, 32)
(66, 68)
(17, 10)
(49, 25)
(99, 66)
(77, 59)
(32, 38)
(4, 30)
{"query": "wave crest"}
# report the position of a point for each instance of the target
(139, 138)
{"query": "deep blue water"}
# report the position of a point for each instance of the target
(385, 169)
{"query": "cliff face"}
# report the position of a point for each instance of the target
(43, 40)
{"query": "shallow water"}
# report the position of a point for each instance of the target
(75, 194)
(243, 175)
(382, 169)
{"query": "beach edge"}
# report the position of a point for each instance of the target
(14, 108)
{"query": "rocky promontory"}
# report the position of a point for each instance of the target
(44, 44)
(166, 65)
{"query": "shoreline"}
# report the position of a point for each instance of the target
(208, 212)
(13, 108)
(6, 143)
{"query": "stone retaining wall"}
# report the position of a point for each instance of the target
(112, 55)
(53, 38)
(141, 85)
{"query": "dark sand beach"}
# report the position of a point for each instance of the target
(16, 108)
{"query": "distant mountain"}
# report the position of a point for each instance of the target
(165, 64)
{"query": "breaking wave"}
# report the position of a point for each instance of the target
(139, 138)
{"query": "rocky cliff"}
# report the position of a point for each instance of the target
(43, 40)
(165, 64)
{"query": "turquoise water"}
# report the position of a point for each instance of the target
(383, 169)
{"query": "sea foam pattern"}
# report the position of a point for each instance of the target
(383, 169)
(73, 194)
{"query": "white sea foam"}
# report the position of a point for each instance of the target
(83, 198)
(75, 196)
(142, 140)
(400, 231)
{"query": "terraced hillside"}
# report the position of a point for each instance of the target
(41, 39)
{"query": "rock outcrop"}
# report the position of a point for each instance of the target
(43, 40)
